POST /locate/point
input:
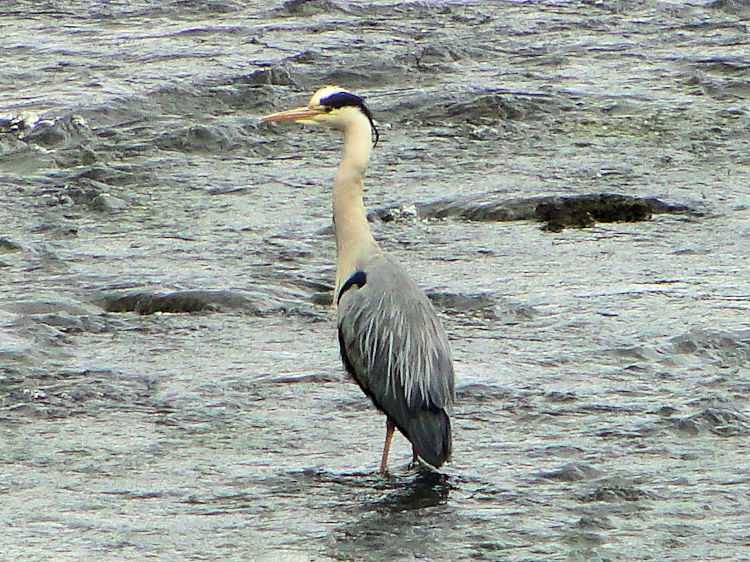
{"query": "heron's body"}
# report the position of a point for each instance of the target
(394, 347)
(392, 342)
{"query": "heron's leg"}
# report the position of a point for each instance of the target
(413, 454)
(389, 428)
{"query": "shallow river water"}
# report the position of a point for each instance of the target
(170, 385)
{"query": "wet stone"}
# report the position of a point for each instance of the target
(478, 392)
(593, 522)
(197, 138)
(572, 472)
(8, 246)
(67, 130)
(107, 175)
(178, 302)
(46, 134)
(65, 322)
(613, 494)
(557, 212)
(322, 298)
(85, 191)
(488, 107)
(43, 306)
(310, 7)
(482, 303)
(276, 75)
(719, 421)
(106, 203)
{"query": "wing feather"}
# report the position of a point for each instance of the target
(395, 348)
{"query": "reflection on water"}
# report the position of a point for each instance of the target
(402, 521)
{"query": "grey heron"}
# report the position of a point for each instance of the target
(391, 340)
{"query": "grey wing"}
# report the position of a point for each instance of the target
(393, 345)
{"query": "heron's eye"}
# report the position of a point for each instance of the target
(327, 108)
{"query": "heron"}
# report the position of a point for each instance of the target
(391, 340)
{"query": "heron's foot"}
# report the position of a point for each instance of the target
(385, 474)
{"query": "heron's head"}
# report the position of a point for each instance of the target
(331, 106)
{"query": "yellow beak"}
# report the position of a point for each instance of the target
(302, 114)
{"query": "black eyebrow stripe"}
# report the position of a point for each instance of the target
(338, 100)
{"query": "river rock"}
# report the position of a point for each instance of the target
(556, 211)
(147, 302)
(107, 203)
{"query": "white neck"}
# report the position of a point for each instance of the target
(354, 240)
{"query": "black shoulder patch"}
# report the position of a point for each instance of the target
(359, 278)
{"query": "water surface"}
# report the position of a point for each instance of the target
(603, 376)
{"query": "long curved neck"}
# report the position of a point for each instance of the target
(354, 240)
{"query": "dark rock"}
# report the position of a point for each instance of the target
(64, 322)
(66, 131)
(265, 300)
(586, 210)
(7, 246)
(310, 7)
(12, 124)
(145, 302)
(592, 522)
(85, 190)
(482, 303)
(388, 214)
(275, 76)
(615, 492)
(107, 175)
(479, 392)
(49, 306)
(719, 421)
(46, 134)
(490, 106)
(557, 396)
(198, 138)
(739, 7)
(572, 472)
(725, 348)
(557, 211)
(322, 298)
(481, 307)
(480, 208)
(107, 203)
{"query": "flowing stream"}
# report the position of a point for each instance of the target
(170, 384)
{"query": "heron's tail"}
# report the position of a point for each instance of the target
(430, 434)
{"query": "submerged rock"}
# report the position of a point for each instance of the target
(273, 76)
(572, 472)
(147, 302)
(197, 138)
(481, 307)
(479, 208)
(481, 303)
(586, 210)
(718, 420)
(556, 211)
(7, 245)
(107, 203)
(260, 302)
(310, 7)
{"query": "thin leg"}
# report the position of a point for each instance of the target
(389, 428)
(413, 455)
